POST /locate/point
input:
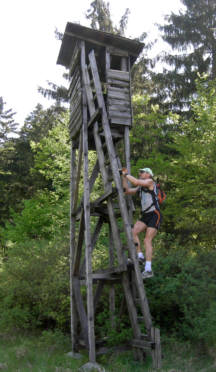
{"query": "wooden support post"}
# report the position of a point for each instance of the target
(156, 352)
(76, 191)
(88, 248)
(112, 287)
(81, 309)
(72, 246)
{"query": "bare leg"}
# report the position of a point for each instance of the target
(150, 234)
(137, 229)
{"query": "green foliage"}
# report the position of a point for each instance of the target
(8, 126)
(182, 293)
(52, 156)
(193, 171)
(34, 286)
(191, 35)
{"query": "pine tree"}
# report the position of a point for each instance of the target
(100, 17)
(7, 123)
(192, 35)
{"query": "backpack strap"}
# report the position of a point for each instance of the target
(154, 198)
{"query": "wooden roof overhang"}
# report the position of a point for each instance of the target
(75, 31)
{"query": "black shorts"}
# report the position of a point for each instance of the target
(151, 219)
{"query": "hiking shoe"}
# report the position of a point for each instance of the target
(147, 274)
(141, 260)
(129, 262)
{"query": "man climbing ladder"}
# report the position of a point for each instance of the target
(150, 218)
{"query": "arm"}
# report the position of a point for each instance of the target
(128, 190)
(136, 181)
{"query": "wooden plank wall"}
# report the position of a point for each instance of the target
(118, 93)
(75, 95)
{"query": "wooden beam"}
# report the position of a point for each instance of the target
(75, 58)
(78, 247)
(81, 309)
(88, 247)
(112, 288)
(73, 319)
(156, 352)
(95, 117)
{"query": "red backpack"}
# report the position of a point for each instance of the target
(161, 196)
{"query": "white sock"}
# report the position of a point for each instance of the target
(148, 266)
(140, 255)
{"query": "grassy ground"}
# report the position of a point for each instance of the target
(48, 353)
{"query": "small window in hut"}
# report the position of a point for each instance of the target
(116, 63)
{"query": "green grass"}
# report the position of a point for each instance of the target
(47, 352)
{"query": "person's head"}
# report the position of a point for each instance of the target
(145, 173)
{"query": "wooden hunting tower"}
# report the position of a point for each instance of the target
(99, 65)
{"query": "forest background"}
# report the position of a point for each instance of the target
(173, 133)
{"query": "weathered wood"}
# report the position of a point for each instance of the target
(79, 166)
(119, 108)
(75, 122)
(117, 83)
(88, 248)
(118, 102)
(76, 97)
(75, 117)
(156, 352)
(73, 319)
(74, 59)
(75, 85)
(121, 121)
(141, 344)
(108, 60)
(130, 203)
(112, 288)
(117, 74)
(119, 90)
(75, 128)
(118, 95)
(74, 132)
(78, 247)
(81, 309)
(76, 110)
(122, 114)
(95, 117)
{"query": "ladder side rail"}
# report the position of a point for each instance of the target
(88, 249)
(73, 314)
